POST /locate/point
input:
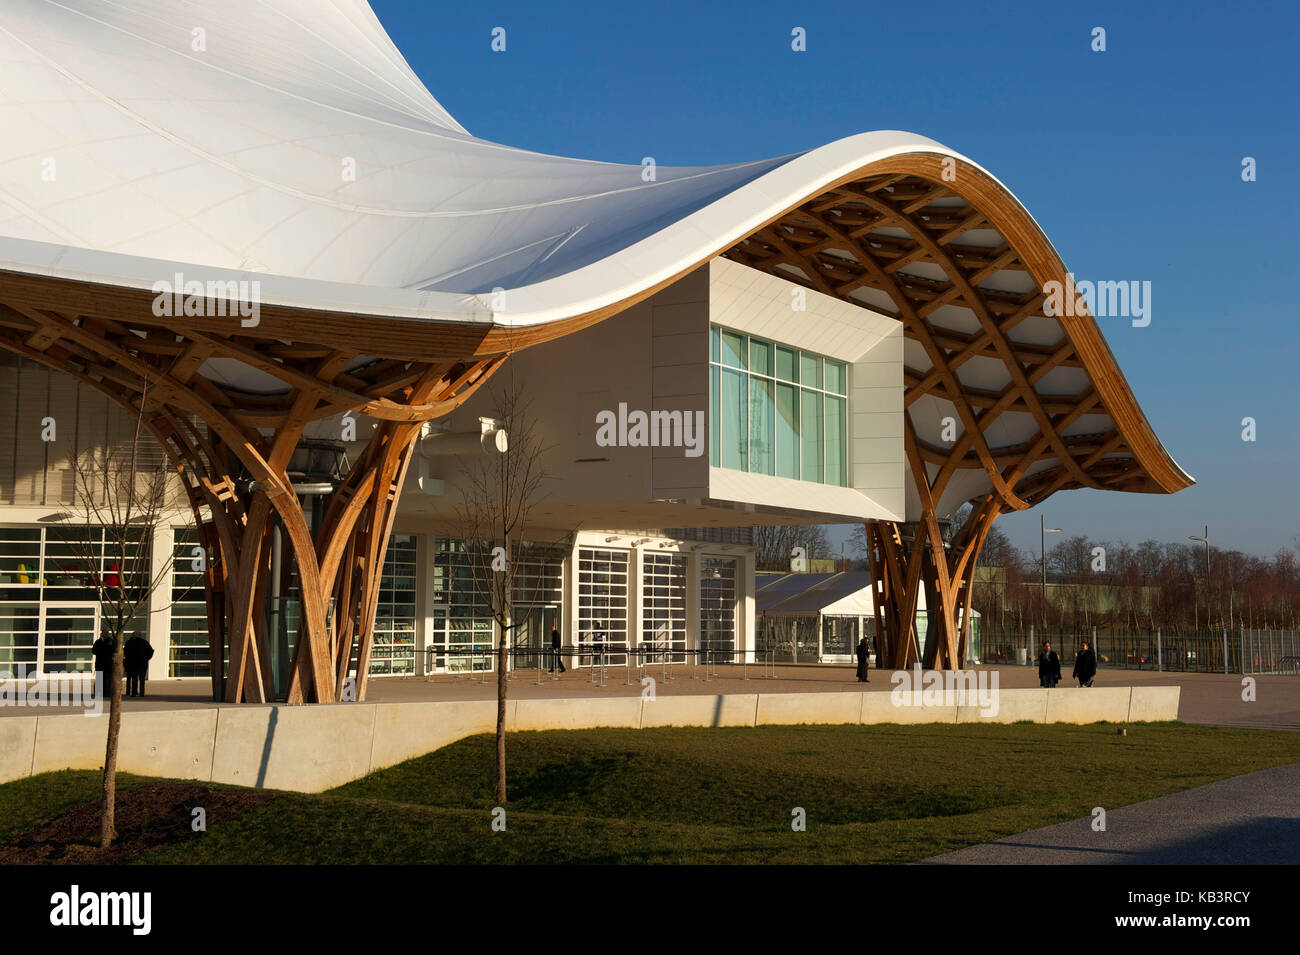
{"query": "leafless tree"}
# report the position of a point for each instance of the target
(498, 493)
(120, 499)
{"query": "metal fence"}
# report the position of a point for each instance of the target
(1219, 651)
(638, 662)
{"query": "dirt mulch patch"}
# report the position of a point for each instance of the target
(149, 817)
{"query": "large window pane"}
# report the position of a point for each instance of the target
(835, 464)
(20, 555)
(69, 632)
(20, 623)
(760, 357)
(810, 370)
(732, 420)
(810, 432)
(733, 350)
(787, 431)
(787, 364)
(715, 418)
(761, 424)
(835, 377)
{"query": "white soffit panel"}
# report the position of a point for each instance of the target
(741, 487)
(760, 304)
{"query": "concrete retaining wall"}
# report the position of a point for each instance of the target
(313, 748)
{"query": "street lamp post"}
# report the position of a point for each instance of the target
(1045, 530)
(1206, 541)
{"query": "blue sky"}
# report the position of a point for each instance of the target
(1130, 160)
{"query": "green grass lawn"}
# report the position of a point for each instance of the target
(871, 794)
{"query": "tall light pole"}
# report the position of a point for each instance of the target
(1042, 523)
(1206, 541)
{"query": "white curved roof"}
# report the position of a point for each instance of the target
(129, 144)
(215, 138)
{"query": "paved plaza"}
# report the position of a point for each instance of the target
(1207, 698)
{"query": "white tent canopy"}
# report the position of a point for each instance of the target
(840, 594)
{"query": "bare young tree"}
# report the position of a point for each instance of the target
(120, 499)
(498, 493)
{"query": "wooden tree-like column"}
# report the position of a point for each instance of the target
(907, 560)
(232, 451)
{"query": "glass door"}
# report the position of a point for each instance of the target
(534, 634)
(551, 621)
(67, 632)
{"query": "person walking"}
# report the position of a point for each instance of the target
(555, 651)
(863, 661)
(1049, 666)
(136, 656)
(1085, 665)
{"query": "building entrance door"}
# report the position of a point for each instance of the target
(533, 635)
(67, 631)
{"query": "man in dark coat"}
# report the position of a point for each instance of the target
(1085, 665)
(864, 661)
(102, 650)
(555, 651)
(135, 657)
(1049, 666)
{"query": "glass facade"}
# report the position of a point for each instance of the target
(50, 604)
(393, 648)
(188, 653)
(48, 615)
(461, 616)
(776, 410)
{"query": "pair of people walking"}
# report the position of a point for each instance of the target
(136, 655)
(1049, 666)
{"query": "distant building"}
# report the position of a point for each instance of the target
(819, 617)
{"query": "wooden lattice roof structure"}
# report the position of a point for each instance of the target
(1041, 404)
